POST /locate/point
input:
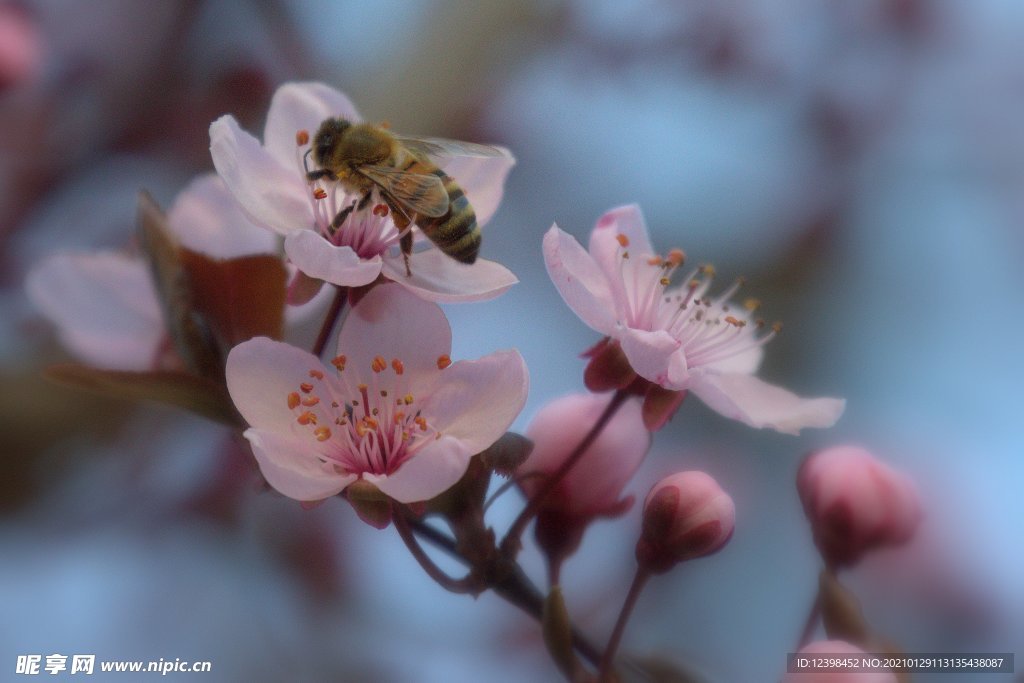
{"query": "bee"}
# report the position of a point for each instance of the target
(364, 157)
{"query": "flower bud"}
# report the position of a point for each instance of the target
(837, 648)
(686, 515)
(592, 488)
(855, 503)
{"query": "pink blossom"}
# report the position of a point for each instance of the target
(269, 182)
(105, 304)
(679, 338)
(839, 649)
(855, 503)
(686, 515)
(592, 488)
(391, 410)
(21, 48)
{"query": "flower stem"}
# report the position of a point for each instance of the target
(812, 621)
(510, 544)
(463, 585)
(340, 296)
(608, 659)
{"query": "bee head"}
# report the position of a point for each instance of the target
(327, 137)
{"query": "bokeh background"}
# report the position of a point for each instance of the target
(861, 162)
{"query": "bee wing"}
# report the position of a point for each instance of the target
(421, 193)
(440, 147)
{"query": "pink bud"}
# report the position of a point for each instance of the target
(686, 515)
(840, 649)
(20, 46)
(855, 503)
(592, 488)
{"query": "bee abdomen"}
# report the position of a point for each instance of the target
(456, 233)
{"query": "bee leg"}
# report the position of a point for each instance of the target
(406, 244)
(342, 215)
(320, 173)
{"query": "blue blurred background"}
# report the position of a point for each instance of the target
(861, 162)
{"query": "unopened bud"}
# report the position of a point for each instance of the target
(855, 503)
(686, 515)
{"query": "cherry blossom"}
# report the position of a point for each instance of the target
(686, 515)
(593, 487)
(104, 302)
(269, 181)
(391, 408)
(678, 337)
(856, 503)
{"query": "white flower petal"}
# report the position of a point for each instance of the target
(743, 363)
(261, 373)
(271, 195)
(579, 280)
(206, 218)
(483, 181)
(301, 106)
(429, 473)
(655, 356)
(291, 466)
(755, 402)
(318, 258)
(438, 277)
(476, 401)
(393, 323)
(104, 305)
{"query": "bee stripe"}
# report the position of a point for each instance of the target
(456, 233)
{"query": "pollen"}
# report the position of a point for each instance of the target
(379, 364)
(443, 361)
(408, 399)
(293, 400)
(676, 257)
(320, 193)
(339, 362)
(751, 304)
(708, 270)
(316, 374)
(776, 327)
(322, 433)
(306, 387)
(381, 210)
(306, 418)
(397, 366)
(302, 137)
(622, 240)
(310, 401)
(664, 281)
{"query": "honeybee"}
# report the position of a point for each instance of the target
(364, 157)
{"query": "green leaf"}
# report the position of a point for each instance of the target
(198, 394)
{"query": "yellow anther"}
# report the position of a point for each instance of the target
(664, 281)
(322, 433)
(751, 304)
(408, 399)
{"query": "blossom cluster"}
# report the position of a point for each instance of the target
(380, 413)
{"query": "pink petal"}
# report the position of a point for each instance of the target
(429, 473)
(476, 401)
(755, 402)
(744, 363)
(438, 277)
(271, 195)
(391, 322)
(579, 280)
(301, 106)
(104, 305)
(656, 356)
(483, 181)
(206, 218)
(292, 467)
(261, 373)
(318, 258)
(595, 483)
(604, 240)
